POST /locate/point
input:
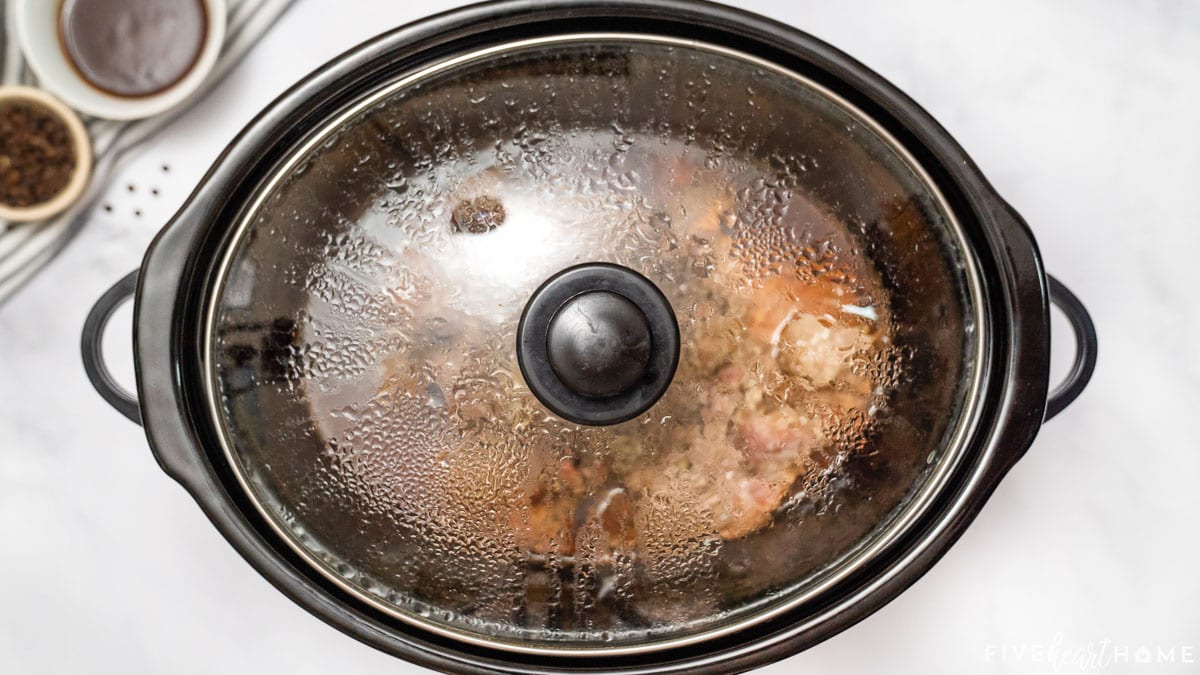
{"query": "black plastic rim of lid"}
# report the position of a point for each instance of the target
(568, 401)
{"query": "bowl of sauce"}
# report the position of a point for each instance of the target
(121, 59)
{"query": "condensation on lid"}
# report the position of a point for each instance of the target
(362, 349)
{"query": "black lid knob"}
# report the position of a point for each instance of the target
(598, 344)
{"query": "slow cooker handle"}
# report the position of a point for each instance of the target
(1085, 348)
(126, 404)
(93, 338)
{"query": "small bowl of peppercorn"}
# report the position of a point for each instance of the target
(45, 155)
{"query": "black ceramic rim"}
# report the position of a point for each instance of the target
(178, 270)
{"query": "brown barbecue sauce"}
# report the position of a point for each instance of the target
(132, 48)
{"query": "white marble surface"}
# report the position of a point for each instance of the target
(1083, 113)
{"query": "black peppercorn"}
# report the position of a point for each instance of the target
(37, 155)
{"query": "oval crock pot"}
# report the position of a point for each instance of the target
(182, 274)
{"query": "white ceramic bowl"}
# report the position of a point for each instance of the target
(83, 156)
(36, 26)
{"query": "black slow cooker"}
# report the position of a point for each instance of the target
(574, 336)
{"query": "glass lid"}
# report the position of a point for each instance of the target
(594, 344)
